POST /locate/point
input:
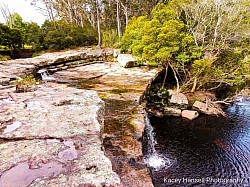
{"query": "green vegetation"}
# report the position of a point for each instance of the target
(26, 84)
(205, 43)
(4, 58)
(52, 35)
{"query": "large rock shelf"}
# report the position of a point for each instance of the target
(52, 61)
(57, 134)
(53, 137)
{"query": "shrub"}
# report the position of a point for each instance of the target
(4, 58)
(66, 35)
(110, 38)
(26, 84)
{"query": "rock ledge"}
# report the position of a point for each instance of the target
(52, 137)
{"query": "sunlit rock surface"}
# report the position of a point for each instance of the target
(53, 61)
(53, 137)
(76, 157)
(189, 114)
(126, 60)
(177, 98)
(205, 109)
(121, 89)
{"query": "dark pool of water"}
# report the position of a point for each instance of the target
(209, 151)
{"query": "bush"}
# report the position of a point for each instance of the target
(66, 35)
(4, 58)
(110, 38)
(26, 84)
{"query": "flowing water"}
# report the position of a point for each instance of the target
(45, 75)
(209, 151)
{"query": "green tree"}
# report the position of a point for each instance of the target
(10, 38)
(161, 40)
(61, 35)
(204, 42)
(15, 21)
(4, 34)
(34, 36)
(217, 28)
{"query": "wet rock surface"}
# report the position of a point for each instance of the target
(53, 137)
(53, 134)
(122, 91)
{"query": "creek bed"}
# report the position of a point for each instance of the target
(121, 89)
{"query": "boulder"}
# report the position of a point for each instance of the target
(126, 60)
(177, 98)
(116, 52)
(203, 108)
(168, 111)
(189, 114)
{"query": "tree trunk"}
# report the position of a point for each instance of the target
(176, 78)
(68, 4)
(194, 85)
(125, 10)
(118, 18)
(126, 15)
(98, 24)
(165, 77)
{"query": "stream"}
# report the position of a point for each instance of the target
(121, 90)
(209, 151)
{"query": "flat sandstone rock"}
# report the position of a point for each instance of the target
(53, 137)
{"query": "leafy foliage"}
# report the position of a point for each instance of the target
(26, 84)
(110, 38)
(204, 42)
(160, 39)
(11, 38)
(52, 35)
(66, 35)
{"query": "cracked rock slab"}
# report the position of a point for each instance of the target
(53, 137)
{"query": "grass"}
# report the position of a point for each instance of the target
(4, 58)
(5, 48)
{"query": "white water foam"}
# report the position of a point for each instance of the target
(152, 158)
(45, 75)
(158, 161)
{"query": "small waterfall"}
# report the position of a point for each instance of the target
(152, 158)
(150, 136)
(45, 75)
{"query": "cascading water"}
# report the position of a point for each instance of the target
(45, 75)
(150, 136)
(152, 158)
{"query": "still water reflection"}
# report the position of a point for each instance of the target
(209, 151)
